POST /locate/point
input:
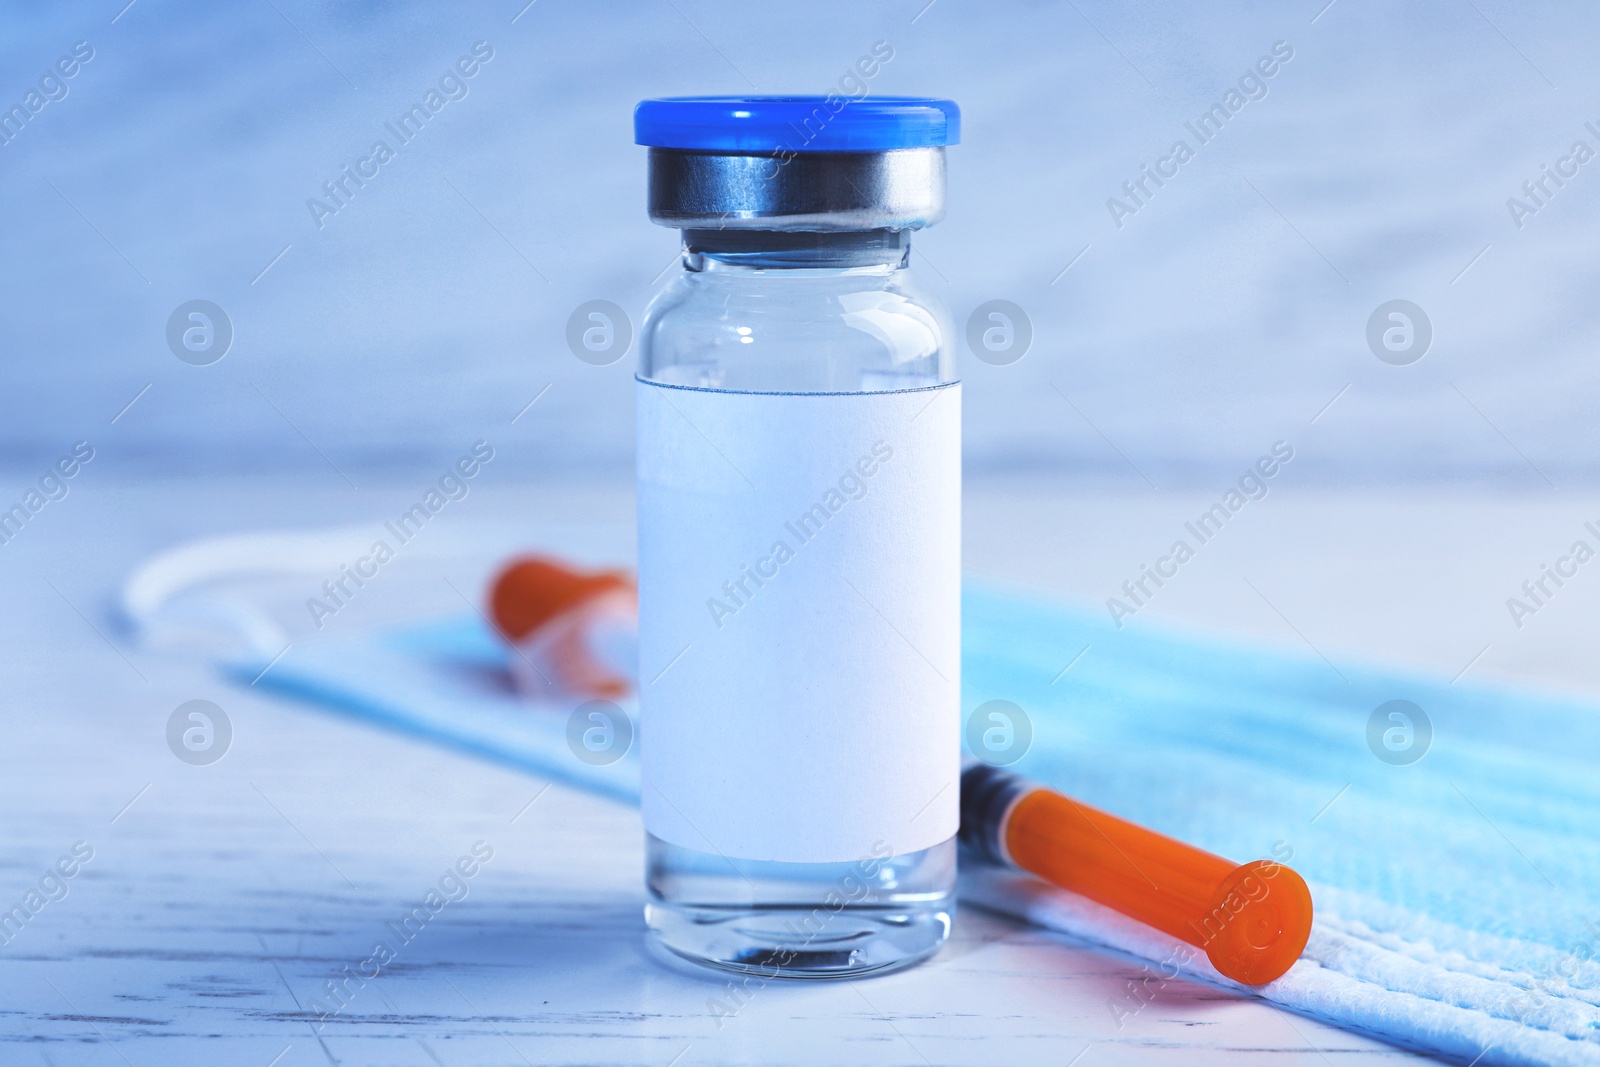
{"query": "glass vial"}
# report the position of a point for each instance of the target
(799, 539)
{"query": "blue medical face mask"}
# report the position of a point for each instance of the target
(1446, 830)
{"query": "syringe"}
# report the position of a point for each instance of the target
(575, 634)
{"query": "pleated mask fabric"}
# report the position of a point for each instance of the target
(1452, 857)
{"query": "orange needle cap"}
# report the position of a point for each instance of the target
(1252, 920)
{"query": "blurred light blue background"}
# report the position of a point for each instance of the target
(1223, 316)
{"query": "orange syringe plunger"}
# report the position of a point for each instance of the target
(1252, 920)
(575, 632)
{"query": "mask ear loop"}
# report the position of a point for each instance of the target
(165, 602)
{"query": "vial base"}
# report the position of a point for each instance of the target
(801, 920)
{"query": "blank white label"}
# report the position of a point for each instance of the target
(799, 620)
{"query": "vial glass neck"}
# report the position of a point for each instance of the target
(784, 249)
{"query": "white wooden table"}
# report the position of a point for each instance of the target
(221, 899)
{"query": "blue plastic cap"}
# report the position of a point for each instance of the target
(757, 125)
